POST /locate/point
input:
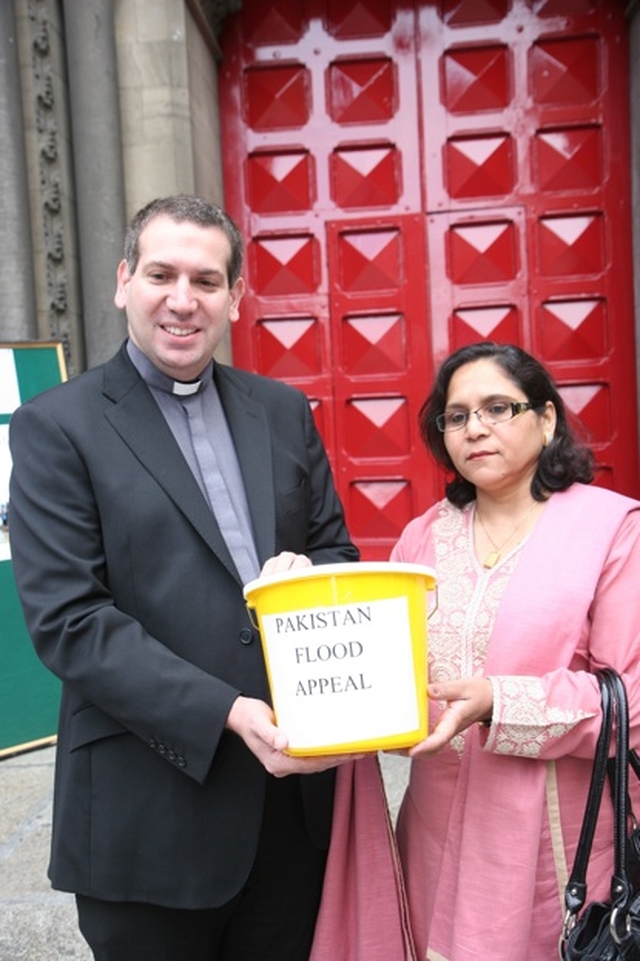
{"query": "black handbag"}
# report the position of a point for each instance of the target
(607, 930)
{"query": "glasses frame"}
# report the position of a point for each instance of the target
(517, 407)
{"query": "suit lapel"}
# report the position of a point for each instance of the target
(139, 422)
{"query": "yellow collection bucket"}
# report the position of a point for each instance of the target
(345, 647)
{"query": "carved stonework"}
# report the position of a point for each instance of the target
(50, 175)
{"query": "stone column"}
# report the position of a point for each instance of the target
(19, 318)
(99, 178)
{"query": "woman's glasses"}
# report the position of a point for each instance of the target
(497, 412)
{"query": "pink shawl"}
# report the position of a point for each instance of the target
(363, 914)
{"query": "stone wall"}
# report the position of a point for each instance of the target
(43, 91)
(88, 164)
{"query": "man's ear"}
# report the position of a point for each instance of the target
(123, 276)
(237, 293)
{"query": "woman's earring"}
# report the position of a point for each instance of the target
(546, 439)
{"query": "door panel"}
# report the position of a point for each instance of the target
(531, 113)
(379, 330)
(412, 177)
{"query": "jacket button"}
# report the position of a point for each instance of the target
(246, 636)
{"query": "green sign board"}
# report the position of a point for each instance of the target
(29, 693)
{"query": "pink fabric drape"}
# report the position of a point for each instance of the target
(363, 914)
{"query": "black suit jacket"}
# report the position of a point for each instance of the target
(132, 599)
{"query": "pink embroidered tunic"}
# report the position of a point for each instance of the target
(488, 828)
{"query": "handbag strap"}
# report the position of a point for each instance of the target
(614, 704)
(576, 889)
(621, 888)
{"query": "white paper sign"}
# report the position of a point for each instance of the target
(342, 674)
(9, 389)
(5, 471)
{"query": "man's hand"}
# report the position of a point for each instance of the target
(253, 721)
(285, 561)
(467, 701)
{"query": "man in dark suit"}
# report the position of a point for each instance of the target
(144, 494)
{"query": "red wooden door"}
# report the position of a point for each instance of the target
(412, 177)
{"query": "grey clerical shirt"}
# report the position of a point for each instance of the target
(196, 418)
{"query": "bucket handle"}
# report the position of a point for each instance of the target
(431, 611)
(251, 611)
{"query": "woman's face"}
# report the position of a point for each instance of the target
(496, 458)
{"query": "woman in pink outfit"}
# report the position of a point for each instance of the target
(537, 589)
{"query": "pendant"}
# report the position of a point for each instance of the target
(491, 559)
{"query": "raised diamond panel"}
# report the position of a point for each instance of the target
(350, 19)
(280, 182)
(568, 158)
(365, 177)
(500, 322)
(479, 166)
(476, 79)
(362, 91)
(284, 265)
(289, 347)
(591, 405)
(482, 253)
(370, 260)
(566, 71)
(374, 344)
(571, 245)
(377, 427)
(273, 22)
(379, 509)
(277, 97)
(573, 330)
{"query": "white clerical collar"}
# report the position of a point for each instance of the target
(183, 389)
(157, 378)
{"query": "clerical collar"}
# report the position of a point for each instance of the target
(185, 389)
(156, 378)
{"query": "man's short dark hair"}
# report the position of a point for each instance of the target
(195, 210)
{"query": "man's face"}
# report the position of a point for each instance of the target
(178, 301)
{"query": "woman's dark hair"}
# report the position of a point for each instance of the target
(561, 463)
(195, 210)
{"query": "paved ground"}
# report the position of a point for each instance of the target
(36, 923)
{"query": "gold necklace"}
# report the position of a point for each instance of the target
(494, 556)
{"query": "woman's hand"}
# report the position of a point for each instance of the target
(466, 701)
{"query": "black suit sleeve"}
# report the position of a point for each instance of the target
(80, 589)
